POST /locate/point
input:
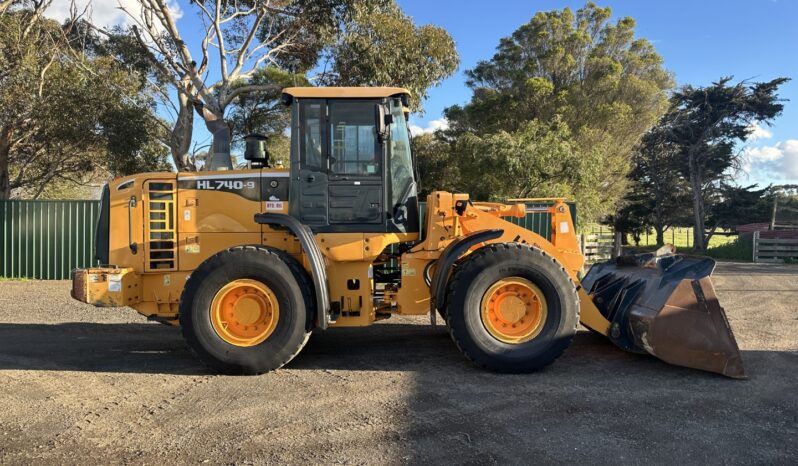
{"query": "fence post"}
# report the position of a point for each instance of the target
(773, 214)
(616, 247)
(754, 245)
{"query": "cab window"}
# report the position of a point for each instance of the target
(401, 164)
(310, 115)
(354, 149)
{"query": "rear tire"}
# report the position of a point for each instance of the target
(477, 280)
(286, 290)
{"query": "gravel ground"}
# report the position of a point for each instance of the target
(81, 385)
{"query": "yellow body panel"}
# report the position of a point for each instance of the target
(214, 211)
(350, 258)
(206, 219)
(413, 297)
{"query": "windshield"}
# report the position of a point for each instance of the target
(401, 163)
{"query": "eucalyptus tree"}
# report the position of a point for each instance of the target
(241, 38)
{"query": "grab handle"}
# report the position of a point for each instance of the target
(130, 206)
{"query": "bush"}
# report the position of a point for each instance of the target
(737, 250)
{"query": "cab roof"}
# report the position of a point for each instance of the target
(344, 92)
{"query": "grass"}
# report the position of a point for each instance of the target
(682, 238)
(736, 250)
(724, 248)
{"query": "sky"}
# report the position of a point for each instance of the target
(700, 41)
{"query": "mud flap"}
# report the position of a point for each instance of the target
(664, 304)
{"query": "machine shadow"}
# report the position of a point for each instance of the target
(93, 347)
(426, 351)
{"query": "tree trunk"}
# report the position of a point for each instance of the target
(660, 234)
(5, 151)
(220, 158)
(696, 184)
(180, 138)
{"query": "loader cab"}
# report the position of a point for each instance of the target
(351, 165)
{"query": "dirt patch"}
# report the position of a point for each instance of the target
(85, 385)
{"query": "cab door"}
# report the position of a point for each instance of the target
(312, 174)
(337, 166)
(355, 166)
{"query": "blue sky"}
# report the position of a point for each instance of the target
(700, 41)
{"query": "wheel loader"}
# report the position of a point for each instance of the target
(249, 262)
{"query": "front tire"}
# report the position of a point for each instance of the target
(512, 308)
(247, 310)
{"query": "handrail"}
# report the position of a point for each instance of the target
(131, 204)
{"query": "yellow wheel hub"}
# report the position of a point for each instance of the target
(245, 312)
(514, 310)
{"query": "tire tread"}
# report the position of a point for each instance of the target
(457, 285)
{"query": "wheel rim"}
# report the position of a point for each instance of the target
(244, 312)
(514, 310)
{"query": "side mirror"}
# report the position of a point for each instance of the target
(255, 150)
(381, 122)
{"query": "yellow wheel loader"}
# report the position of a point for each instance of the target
(249, 262)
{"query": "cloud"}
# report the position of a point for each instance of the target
(432, 126)
(775, 162)
(102, 13)
(758, 132)
(105, 13)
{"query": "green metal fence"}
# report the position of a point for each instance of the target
(46, 239)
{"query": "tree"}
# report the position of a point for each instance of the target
(607, 86)
(658, 195)
(176, 125)
(383, 47)
(536, 160)
(706, 123)
(287, 35)
(231, 27)
(367, 43)
(739, 205)
(66, 115)
(264, 113)
(437, 172)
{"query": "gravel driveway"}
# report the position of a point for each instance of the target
(85, 385)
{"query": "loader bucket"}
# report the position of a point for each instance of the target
(664, 304)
